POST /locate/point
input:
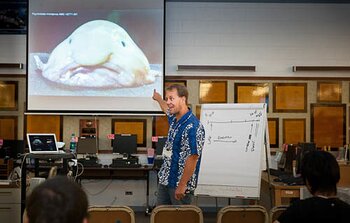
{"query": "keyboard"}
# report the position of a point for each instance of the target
(131, 165)
(88, 164)
(50, 164)
(278, 173)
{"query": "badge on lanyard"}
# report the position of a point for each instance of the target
(167, 153)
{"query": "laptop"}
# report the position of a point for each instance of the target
(42, 143)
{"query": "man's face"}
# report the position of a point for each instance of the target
(174, 102)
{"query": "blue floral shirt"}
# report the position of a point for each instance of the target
(185, 138)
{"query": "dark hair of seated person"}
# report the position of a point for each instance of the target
(57, 200)
(320, 172)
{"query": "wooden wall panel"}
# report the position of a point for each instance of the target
(273, 124)
(330, 92)
(8, 127)
(328, 125)
(212, 92)
(289, 97)
(251, 93)
(294, 131)
(45, 124)
(9, 95)
(131, 126)
(161, 126)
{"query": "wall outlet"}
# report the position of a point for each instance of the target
(128, 192)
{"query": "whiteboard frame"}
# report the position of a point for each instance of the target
(234, 191)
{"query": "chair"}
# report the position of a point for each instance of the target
(276, 211)
(243, 214)
(112, 214)
(176, 214)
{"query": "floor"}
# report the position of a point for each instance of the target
(209, 217)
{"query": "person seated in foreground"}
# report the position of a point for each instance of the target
(57, 200)
(320, 172)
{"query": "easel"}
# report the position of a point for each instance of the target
(267, 149)
(246, 115)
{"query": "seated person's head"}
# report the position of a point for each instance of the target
(320, 172)
(57, 200)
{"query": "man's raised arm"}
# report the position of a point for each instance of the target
(157, 97)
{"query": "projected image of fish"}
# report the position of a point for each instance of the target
(98, 54)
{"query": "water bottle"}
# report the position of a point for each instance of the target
(73, 144)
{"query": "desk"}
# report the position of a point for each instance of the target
(10, 203)
(141, 173)
(280, 191)
(344, 175)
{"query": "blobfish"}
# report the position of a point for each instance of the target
(98, 54)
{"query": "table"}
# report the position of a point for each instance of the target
(344, 175)
(139, 173)
(60, 156)
(281, 192)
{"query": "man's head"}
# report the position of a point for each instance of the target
(57, 200)
(176, 98)
(320, 172)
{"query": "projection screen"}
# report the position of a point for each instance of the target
(89, 56)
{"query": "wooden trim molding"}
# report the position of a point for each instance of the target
(255, 78)
(214, 68)
(11, 65)
(321, 68)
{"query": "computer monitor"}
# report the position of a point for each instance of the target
(302, 149)
(160, 145)
(125, 144)
(11, 148)
(87, 145)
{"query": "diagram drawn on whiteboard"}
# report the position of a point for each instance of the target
(254, 120)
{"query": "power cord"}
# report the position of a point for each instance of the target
(18, 181)
(82, 170)
(99, 192)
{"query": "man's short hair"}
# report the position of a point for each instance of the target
(320, 170)
(58, 199)
(181, 90)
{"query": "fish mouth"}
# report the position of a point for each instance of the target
(106, 75)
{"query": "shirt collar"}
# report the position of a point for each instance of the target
(185, 116)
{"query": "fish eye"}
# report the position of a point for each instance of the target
(123, 43)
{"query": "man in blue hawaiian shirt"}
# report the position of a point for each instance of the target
(182, 151)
